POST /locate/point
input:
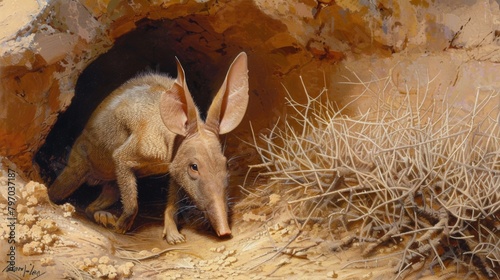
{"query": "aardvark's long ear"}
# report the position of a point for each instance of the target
(230, 103)
(177, 108)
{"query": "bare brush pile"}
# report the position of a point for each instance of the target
(413, 172)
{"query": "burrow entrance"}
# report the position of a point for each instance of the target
(151, 47)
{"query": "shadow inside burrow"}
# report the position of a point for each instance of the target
(152, 200)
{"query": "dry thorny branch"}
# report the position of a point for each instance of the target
(412, 171)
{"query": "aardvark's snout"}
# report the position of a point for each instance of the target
(224, 231)
(217, 215)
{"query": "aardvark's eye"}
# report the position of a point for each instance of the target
(194, 167)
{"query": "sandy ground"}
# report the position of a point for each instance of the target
(40, 240)
(55, 241)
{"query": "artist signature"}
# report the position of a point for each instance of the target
(26, 270)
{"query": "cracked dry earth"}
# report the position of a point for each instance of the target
(55, 241)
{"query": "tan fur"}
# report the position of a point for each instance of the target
(150, 126)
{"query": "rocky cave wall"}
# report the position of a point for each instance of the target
(60, 58)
